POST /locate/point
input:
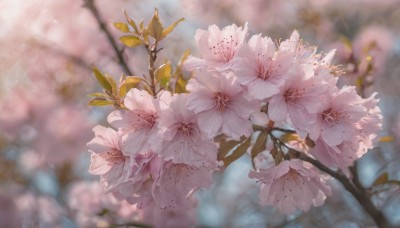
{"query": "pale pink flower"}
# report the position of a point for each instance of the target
(370, 124)
(220, 104)
(139, 123)
(107, 158)
(145, 168)
(178, 182)
(89, 201)
(300, 98)
(337, 120)
(261, 68)
(374, 41)
(171, 218)
(39, 211)
(217, 48)
(183, 142)
(338, 156)
(291, 185)
(301, 52)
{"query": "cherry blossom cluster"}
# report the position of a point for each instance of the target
(165, 146)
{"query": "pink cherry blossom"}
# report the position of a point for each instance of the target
(177, 183)
(218, 48)
(137, 188)
(262, 69)
(300, 98)
(183, 142)
(301, 52)
(291, 185)
(338, 119)
(220, 104)
(370, 124)
(171, 218)
(138, 124)
(107, 158)
(338, 156)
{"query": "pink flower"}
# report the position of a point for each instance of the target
(183, 142)
(262, 69)
(300, 98)
(137, 188)
(107, 159)
(291, 185)
(177, 183)
(138, 124)
(338, 156)
(337, 120)
(300, 52)
(171, 218)
(369, 124)
(219, 102)
(218, 48)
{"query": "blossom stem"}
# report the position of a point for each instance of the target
(152, 53)
(360, 196)
(103, 26)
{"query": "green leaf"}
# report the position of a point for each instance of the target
(259, 146)
(100, 102)
(131, 41)
(131, 22)
(131, 82)
(155, 27)
(100, 95)
(163, 74)
(171, 28)
(114, 88)
(121, 26)
(237, 153)
(102, 79)
(382, 179)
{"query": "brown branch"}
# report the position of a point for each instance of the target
(362, 199)
(152, 53)
(103, 26)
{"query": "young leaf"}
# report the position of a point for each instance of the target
(237, 153)
(100, 102)
(171, 28)
(382, 179)
(225, 147)
(121, 26)
(259, 146)
(102, 79)
(131, 41)
(114, 88)
(163, 74)
(155, 27)
(131, 22)
(100, 95)
(131, 82)
(385, 139)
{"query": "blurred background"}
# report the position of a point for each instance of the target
(47, 50)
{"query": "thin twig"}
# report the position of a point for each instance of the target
(103, 26)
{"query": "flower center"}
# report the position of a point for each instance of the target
(225, 49)
(185, 128)
(222, 101)
(144, 120)
(114, 157)
(331, 117)
(292, 95)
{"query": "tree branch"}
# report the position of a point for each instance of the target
(103, 26)
(362, 199)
